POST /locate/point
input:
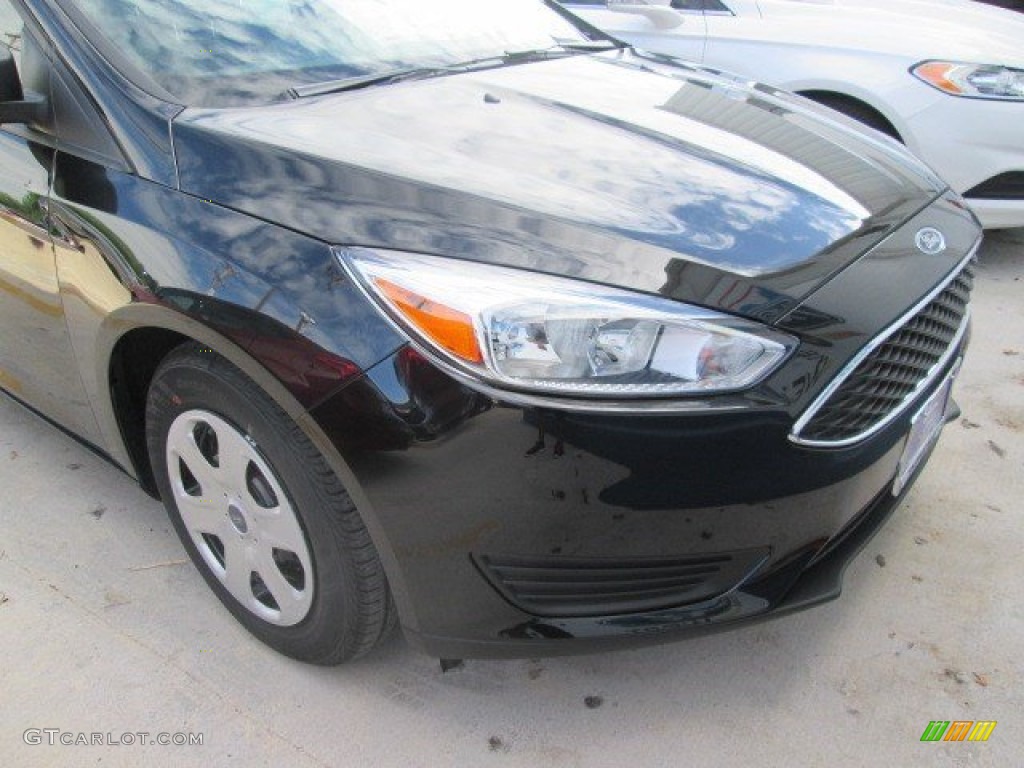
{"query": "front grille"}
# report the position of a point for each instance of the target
(572, 586)
(894, 371)
(1005, 186)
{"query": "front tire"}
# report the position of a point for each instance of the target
(261, 514)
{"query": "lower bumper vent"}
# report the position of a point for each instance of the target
(570, 586)
(1005, 186)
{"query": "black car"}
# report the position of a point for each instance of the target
(462, 316)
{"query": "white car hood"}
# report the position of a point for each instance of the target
(959, 30)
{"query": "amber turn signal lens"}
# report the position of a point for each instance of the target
(447, 327)
(936, 73)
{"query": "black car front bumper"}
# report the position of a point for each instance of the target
(515, 531)
(518, 526)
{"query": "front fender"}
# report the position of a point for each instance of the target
(134, 256)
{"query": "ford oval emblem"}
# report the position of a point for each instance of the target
(930, 241)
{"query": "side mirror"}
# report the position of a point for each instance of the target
(16, 106)
(658, 12)
(31, 109)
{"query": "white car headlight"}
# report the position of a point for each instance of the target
(978, 81)
(540, 333)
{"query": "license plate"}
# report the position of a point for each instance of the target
(924, 430)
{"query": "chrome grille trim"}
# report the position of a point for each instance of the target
(847, 370)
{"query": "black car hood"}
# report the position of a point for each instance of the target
(617, 168)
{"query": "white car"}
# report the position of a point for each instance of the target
(946, 77)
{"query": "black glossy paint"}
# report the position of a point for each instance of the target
(613, 168)
(172, 223)
(37, 354)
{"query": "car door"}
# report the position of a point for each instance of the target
(37, 363)
(739, 39)
(686, 40)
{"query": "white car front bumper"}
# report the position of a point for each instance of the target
(968, 142)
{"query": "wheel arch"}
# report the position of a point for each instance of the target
(130, 345)
(828, 97)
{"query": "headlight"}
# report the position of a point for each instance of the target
(535, 332)
(979, 81)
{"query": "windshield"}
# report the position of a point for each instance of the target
(223, 52)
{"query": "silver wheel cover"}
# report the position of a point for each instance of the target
(239, 517)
